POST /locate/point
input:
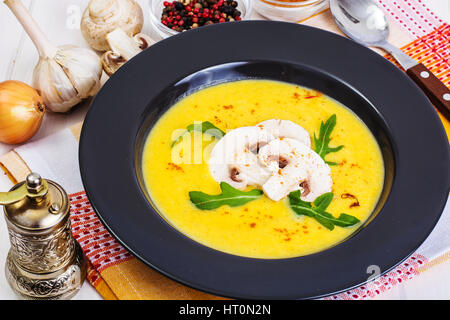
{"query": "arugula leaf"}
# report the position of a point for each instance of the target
(318, 212)
(322, 202)
(321, 144)
(203, 127)
(229, 196)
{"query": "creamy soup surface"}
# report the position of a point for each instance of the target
(262, 228)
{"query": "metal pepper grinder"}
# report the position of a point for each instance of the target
(45, 261)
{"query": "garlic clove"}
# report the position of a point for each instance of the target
(123, 48)
(83, 68)
(103, 16)
(54, 86)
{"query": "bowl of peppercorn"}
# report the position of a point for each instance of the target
(169, 18)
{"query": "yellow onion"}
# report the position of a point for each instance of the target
(21, 111)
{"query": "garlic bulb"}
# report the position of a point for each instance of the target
(72, 75)
(103, 16)
(64, 75)
(123, 48)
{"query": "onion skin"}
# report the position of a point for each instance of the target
(21, 112)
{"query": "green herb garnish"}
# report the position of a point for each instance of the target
(317, 211)
(203, 127)
(229, 196)
(321, 144)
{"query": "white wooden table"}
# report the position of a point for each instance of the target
(60, 21)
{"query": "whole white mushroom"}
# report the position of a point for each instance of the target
(104, 16)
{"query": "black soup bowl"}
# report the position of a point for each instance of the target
(401, 118)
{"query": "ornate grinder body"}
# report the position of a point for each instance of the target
(45, 261)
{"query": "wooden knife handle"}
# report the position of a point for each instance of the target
(435, 90)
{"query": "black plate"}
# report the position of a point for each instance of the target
(414, 145)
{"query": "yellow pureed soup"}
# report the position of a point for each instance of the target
(261, 228)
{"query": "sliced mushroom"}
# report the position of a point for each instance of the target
(302, 169)
(286, 129)
(255, 147)
(304, 185)
(233, 162)
(123, 48)
(282, 162)
(253, 156)
(234, 174)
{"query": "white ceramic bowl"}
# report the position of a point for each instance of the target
(160, 31)
(289, 11)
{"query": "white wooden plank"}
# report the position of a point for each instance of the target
(10, 36)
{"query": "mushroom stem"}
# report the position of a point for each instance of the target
(124, 45)
(123, 48)
(45, 48)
